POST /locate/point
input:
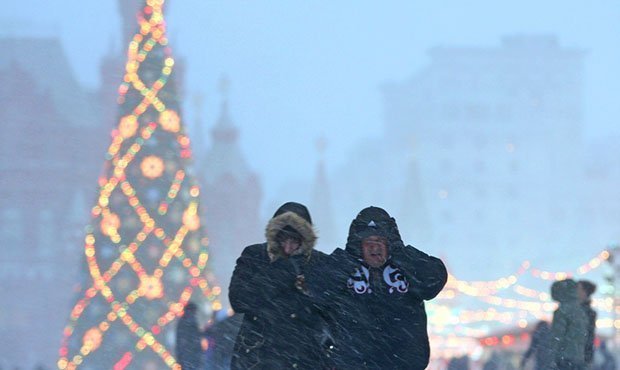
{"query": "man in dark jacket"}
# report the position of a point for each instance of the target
(585, 289)
(376, 289)
(281, 324)
(608, 362)
(569, 327)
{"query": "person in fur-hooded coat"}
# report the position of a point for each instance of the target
(281, 325)
(375, 290)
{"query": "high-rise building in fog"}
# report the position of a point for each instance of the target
(498, 134)
(492, 136)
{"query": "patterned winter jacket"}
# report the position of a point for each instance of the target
(377, 314)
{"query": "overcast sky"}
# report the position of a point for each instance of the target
(301, 70)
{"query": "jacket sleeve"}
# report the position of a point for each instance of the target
(257, 285)
(427, 275)
(330, 278)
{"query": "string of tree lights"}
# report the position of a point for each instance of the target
(145, 248)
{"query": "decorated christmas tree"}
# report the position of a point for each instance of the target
(145, 249)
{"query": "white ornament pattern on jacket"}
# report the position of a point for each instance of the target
(360, 281)
(395, 279)
(392, 275)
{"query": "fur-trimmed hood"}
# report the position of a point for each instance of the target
(300, 224)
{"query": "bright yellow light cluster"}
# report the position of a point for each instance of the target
(91, 340)
(152, 167)
(110, 222)
(133, 132)
(169, 120)
(128, 126)
(191, 220)
(151, 287)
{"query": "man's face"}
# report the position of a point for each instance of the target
(290, 246)
(374, 251)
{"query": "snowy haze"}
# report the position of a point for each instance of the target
(304, 71)
(300, 71)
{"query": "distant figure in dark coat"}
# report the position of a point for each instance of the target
(375, 290)
(459, 363)
(585, 289)
(221, 335)
(608, 362)
(281, 325)
(539, 347)
(494, 362)
(569, 327)
(188, 347)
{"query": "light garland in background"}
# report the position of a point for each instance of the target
(462, 325)
(485, 288)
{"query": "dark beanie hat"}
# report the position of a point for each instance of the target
(371, 221)
(296, 208)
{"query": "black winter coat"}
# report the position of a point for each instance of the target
(540, 347)
(281, 325)
(378, 315)
(589, 355)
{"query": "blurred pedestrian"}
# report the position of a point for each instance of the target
(375, 289)
(585, 289)
(569, 327)
(281, 324)
(188, 340)
(494, 362)
(221, 334)
(607, 360)
(459, 363)
(539, 347)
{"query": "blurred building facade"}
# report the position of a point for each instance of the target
(54, 136)
(498, 135)
(231, 197)
(495, 134)
(483, 162)
(50, 149)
